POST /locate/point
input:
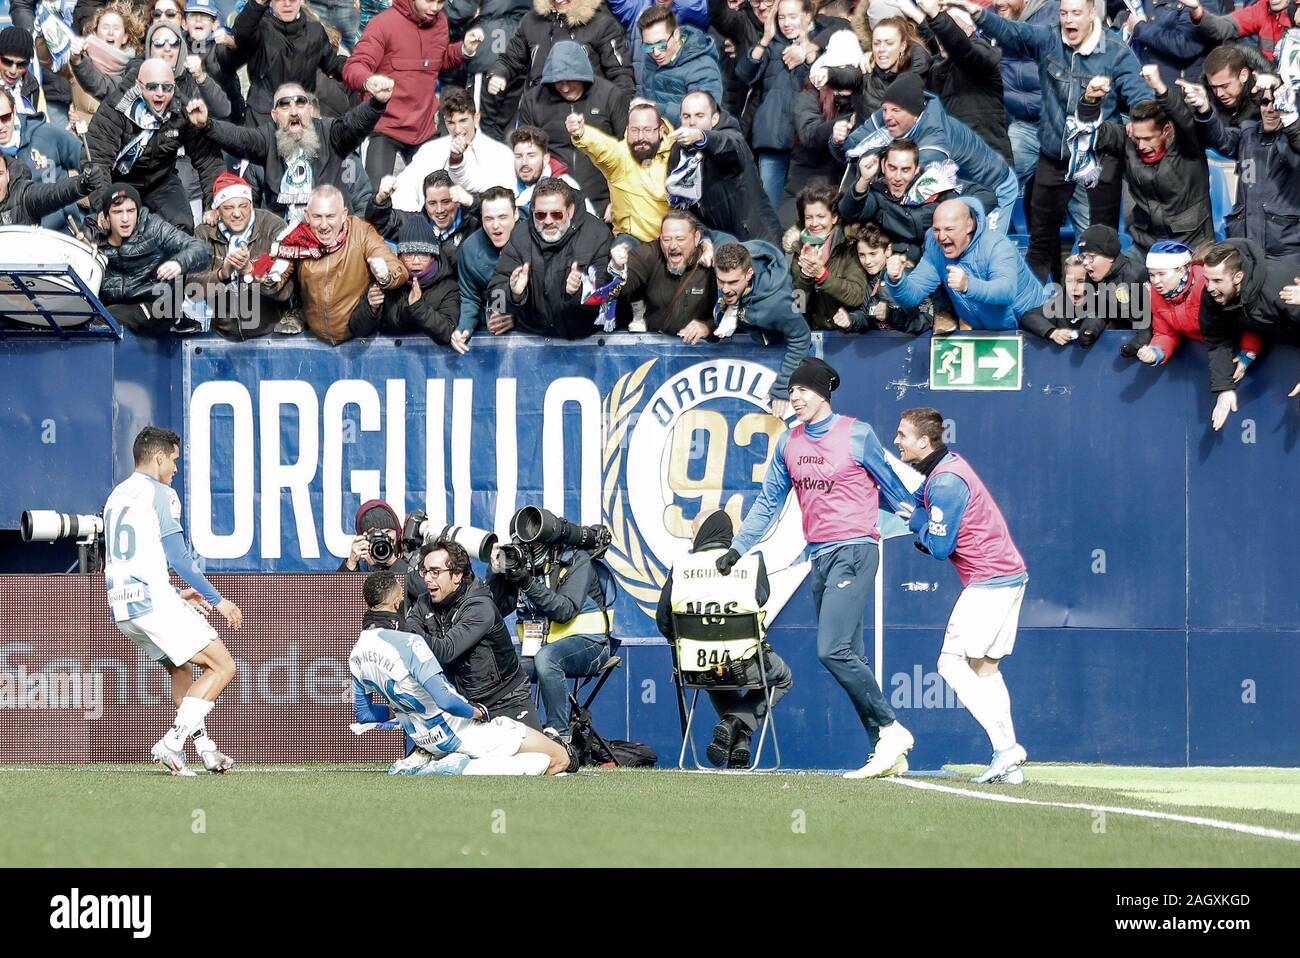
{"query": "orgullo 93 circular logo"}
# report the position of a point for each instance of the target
(703, 440)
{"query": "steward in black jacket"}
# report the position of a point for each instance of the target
(471, 643)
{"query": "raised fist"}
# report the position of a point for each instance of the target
(496, 84)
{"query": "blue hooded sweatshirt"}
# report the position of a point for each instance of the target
(1000, 290)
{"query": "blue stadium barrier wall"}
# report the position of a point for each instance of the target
(1162, 617)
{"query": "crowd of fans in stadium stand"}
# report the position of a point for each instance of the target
(696, 168)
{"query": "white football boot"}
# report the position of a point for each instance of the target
(411, 764)
(170, 759)
(217, 761)
(1005, 767)
(890, 757)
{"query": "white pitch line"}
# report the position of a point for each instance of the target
(1255, 830)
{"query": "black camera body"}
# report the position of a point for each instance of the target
(382, 548)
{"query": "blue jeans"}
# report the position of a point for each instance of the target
(1024, 147)
(572, 657)
(843, 581)
(773, 168)
(343, 15)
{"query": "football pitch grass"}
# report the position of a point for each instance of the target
(357, 815)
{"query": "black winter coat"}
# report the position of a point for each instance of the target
(388, 223)
(472, 644)
(277, 52)
(129, 274)
(603, 107)
(27, 202)
(435, 313)
(338, 138)
(110, 130)
(969, 82)
(586, 22)
(1258, 308)
(906, 226)
(1268, 203)
(691, 296)
(1171, 198)
(733, 200)
(547, 309)
(875, 83)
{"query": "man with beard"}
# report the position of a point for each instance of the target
(448, 210)
(547, 270)
(534, 163)
(478, 260)
(673, 277)
(240, 238)
(754, 293)
(1246, 291)
(636, 168)
(339, 258)
(714, 174)
(568, 86)
(297, 150)
(136, 139)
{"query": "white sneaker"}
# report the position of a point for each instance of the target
(217, 761)
(1005, 767)
(170, 759)
(411, 764)
(890, 757)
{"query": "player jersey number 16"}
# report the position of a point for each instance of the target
(121, 535)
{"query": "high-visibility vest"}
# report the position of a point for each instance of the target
(597, 622)
(700, 589)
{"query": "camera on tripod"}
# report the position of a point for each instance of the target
(47, 525)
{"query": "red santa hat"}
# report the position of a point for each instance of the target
(230, 187)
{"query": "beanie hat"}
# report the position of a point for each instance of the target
(817, 375)
(416, 236)
(229, 186)
(376, 514)
(117, 192)
(908, 93)
(1100, 239)
(1168, 254)
(16, 42)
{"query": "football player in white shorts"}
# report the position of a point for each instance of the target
(452, 736)
(143, 536)
(958, 520)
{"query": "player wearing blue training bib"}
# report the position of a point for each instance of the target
(452, 735)
(143, 537)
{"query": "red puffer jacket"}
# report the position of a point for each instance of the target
(1171, 320)
(398, 45)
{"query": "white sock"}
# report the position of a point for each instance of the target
(999, 701)
(190, 714)
(524, 763)
(980, 699)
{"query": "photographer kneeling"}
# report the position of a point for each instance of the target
(563, 596)
(695, 585)
(459, 619)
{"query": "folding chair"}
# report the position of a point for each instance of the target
(708, 640)
(600, 677)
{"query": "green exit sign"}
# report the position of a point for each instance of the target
(976, 362)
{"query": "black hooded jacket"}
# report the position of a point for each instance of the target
(1258, 308)
(733, 199)
(471, 642)
(435, 313)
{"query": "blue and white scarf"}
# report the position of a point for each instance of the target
(1081, 139)
(136, 109)
(54, 24)
(1287, 99)
(685, 184)
(295, 187)
(606, 297)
